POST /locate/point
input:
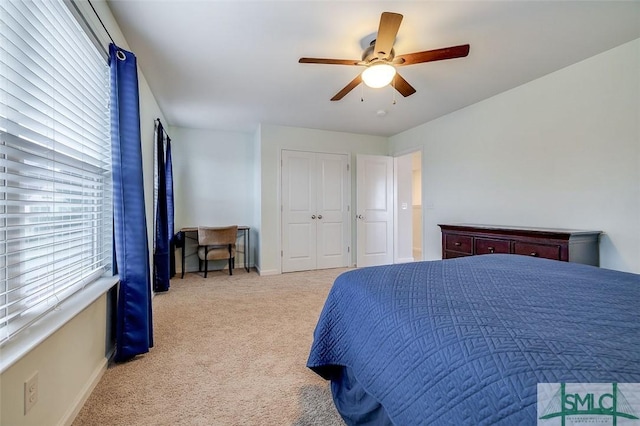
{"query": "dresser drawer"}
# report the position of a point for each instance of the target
(537, 250)
(453, 254)
(487, 245)
(460, 243)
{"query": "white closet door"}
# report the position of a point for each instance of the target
(316, 194)
(299, 215)
(333, 211)
(374, 177)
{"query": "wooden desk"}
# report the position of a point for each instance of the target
(194, 229)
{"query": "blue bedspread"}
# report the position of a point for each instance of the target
(465, 341)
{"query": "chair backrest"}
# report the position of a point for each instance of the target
(216, 236)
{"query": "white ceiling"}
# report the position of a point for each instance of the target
(230, 65)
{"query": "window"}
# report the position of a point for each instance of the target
(55, 161)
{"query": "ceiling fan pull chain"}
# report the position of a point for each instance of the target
(393, 91)
(362, 93)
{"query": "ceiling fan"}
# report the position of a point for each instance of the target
(380, 59)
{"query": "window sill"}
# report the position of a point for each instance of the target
(28, 339)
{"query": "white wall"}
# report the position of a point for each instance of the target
(71, 361)
(69, 364)
(214, 181)
(561, 151)
(213, 177)
(273, 139)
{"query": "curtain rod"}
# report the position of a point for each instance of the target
(101, 23)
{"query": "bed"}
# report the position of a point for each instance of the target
(466, 341)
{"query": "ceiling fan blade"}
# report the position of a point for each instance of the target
(349, 87)
(387, 31)
(432, 55)
(329, 61)
(403, 86)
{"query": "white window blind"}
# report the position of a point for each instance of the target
(55, 161)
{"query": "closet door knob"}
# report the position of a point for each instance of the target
(319, 216)
(313, 216)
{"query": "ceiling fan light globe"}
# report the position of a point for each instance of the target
(378, 75)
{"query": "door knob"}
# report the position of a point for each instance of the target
(313, 216)
(360, 217)
(319, 216)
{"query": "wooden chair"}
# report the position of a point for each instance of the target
(217, 244)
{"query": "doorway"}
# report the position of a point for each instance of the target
(389, 209)
(408, 208)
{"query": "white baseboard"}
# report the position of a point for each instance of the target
(93, 381)
(404, 260)
(267, 272)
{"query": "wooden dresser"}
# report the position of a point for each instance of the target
(567, 245)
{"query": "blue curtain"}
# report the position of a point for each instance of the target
(163, 249)
(134, 325)
(170, 211)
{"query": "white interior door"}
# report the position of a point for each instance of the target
(316, 231)
(298, 211)
(333, 236)
(374, 179)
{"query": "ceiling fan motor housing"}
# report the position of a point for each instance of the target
(369, 56)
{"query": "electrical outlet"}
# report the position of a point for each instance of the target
(30, 392)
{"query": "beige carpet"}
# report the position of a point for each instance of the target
(228, 351)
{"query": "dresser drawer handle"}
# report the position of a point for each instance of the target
(491, 249)
(457, 244)
(533, 253)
